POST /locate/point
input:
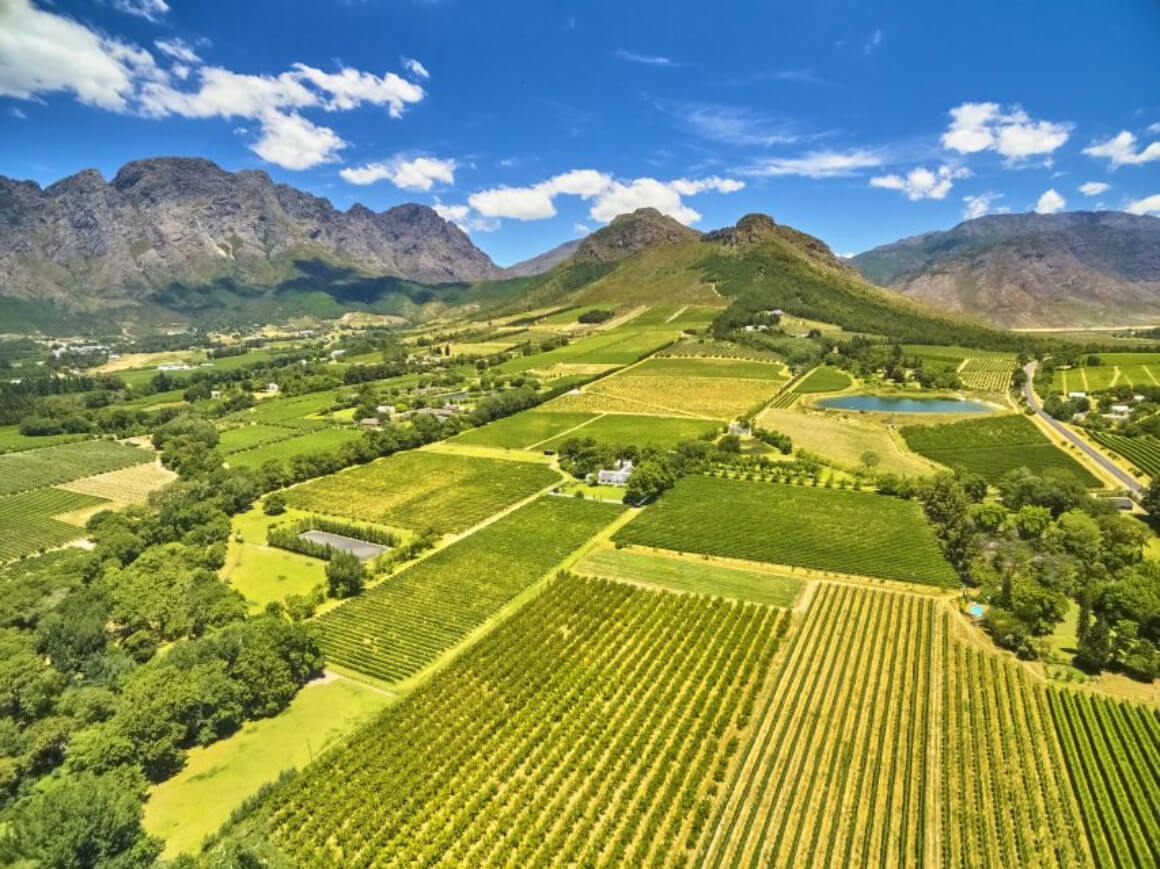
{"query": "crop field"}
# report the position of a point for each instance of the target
(131, 485)
(885, 741)
(420, 489)
(822, 529)
(591, 729)
(1142, 451)
(33, 469)
(823, 379)
(991, 373)
(641, 431)
(401, 625)
(843, 440)
(715, 350)
(691, 576)
(714, 397)
(322, 440)
(248, 436)
(698, 367)
(937, 353)
(11, 440)
(293, 410)
(994, 446)
(27, 526)
(1131, 369)
(522, 429)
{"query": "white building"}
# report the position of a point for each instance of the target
(1077, 395)
(616, 476)
(272, 388)
(1120, 410)
(739, 428)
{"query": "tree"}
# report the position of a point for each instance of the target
(344, 575)
(85, 821)
(1031, 521)
(1150, 499)
(871, 460)
(275, 504)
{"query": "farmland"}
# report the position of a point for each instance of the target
(991, 373)
(1142, 451)
(821, 529)
(11, 440)
(693, 367)
(27, 526)
(32, 469)
(424, 489)
(1115, 369)
(522, 430)
(248, 436)
(823, 379)
(994, 446)
(401, 625)
(588, 730)
(691, 576)
(131, 485)
(720, 398)
(641, 431)
(714, 350)
(322, 440)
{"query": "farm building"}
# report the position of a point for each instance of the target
(1120, 410)
(616, 476)
(272, 388)
(737, 427)
(1077, 395)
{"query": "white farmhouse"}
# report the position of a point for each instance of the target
(1077, 395)
(615, 476)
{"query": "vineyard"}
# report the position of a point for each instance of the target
(1142, 451)
(131, 485)
(992, 447)
(422, 489)
(325, 440)
(522, 429)
(32, 469)
(27, 526)
(249, 436)
(716, 397)
(395, 629)
(593, 729)
(640, 431)
(988, 373)
(823, 379)
(694, 367)
(823, 529)
(715, 350)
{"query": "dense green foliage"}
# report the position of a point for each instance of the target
(824, 529)
(401, 625)
(994, 446)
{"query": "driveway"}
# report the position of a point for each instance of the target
(1128, 481)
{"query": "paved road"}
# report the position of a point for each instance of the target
(1099, 458)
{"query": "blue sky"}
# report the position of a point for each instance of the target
(532, 122)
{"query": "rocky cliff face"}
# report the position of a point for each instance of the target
(83, 242)
(629, 233)
(1032, 270)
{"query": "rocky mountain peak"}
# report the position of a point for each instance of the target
(629, 233)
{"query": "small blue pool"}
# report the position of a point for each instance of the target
(897, 404)
(976, 611)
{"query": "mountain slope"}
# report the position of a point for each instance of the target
(1072, 269)
(84, 244)
(546, 261)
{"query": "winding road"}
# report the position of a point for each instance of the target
(1095, 455)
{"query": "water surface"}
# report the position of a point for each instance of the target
(897, 404)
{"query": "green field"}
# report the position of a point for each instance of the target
(691, 576)
(620, 346)
(27, 526)
(672, 366)
(1142, 451)
(248, 436)
(262, 574)
(322, 441)
(422, 489)
(290, 411)
(994, 446)
(1115, 369)
(33, 469)
(217, 779)
(586, 731)
(823, 379)
(11, 440)
(401, 625)
(822, 529)
(620, 429)
(522, 429)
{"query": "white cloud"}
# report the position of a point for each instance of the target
(43, 52)
(460, 215)
(873, 41)
(420, 173)
(150, 10)
(581, 228)
(415, 68)
(728, 124)
(646, 59)
(816, 164)
(979, 127)
(1147, 205)
(17, 113)
(1154, 129)
(178, 49)
(1049, 203)
(1094, 188)
(291, 141)
(1120, 150)
(609, 196)
(977, 206)
(922, 183)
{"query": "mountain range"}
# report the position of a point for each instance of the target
(1031, 270)
(181, 239)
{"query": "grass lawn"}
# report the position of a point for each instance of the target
(215, 781)
(822, 529)
(423, 489)
(522, 430)
(262, 574)
(687, 575)
(844, 440)
(641, 431)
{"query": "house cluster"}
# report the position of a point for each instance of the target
(1119, 410)
(442, 414)
(617, 475)
(78, 349)
(174, 366)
